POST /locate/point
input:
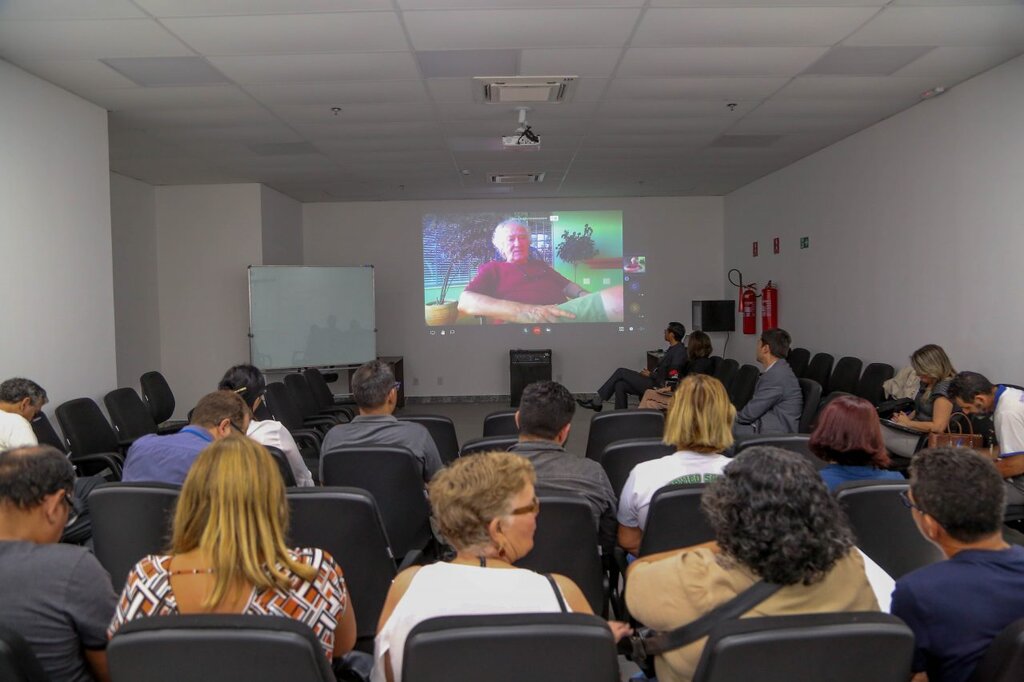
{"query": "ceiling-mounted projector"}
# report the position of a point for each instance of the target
(523, 137)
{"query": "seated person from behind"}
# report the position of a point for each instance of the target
(58, 597)
(376, 393)
(249, 383)
(485, 507)
(932, 404)
(521, 289)
(698, 361)
(544, 418)
(698, 424)
(777, 401)
(167, 459)
(798, 538)
(21, 400)
(228, 553)
(849, 437)
(626, 382)
(956, 607)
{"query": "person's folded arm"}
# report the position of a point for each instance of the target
(630, 538)
(472, 303)
(762, 401)
(942, 411)
(97, 660)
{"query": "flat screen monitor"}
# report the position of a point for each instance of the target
(714, 316)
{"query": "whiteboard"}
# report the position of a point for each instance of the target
(311, 316)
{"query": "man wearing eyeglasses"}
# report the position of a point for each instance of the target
(956, 607)
(167, 459)
(57, 596)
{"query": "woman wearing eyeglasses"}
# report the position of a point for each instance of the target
(486, 508)
(249, 383)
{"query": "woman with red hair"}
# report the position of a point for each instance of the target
(849, 438)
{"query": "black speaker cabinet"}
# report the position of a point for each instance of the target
(526, 367)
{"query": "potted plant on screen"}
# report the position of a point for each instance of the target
(467, 241)
(576, 247)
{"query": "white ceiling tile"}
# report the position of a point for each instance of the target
(955, 2)
(353, 113)
(755, 124)
(127, 99)
(730, 89)
(173, 171)
(328, 131)
(340, 94)
(876, 107)
(953, 64)
(305, 68)
(139, 145)
(52, 40)
(496, 29)
(513, 4)
(498, 127)
(668, 144)
(753, 27)
(350, 156)
(239, 132)
(537, 114)
(569, 62)
(854, 87)
(589, 89)
(450, 89)
(769, 3)
(717, 61)
(689, 124)
(973, 25)
(205, 8)
(291, 33)
(221, 116)
(668, 107)
(68, 9)
(354, 143)
(78, 76)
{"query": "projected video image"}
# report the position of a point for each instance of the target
(524, 268)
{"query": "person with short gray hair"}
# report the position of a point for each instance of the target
(21, 400)
(57, 596)
(376, 393)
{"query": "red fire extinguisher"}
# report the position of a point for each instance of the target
(769, 307)
(748, 308)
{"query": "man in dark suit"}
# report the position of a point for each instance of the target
(777, 401)
(624, 382)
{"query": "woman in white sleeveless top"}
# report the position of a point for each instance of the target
(486, 508)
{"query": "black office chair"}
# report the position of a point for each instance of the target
(87, 465)
(716, 362)
(741, 389)
(609, 427)
(347, 523)
(17, 662)
(395, 479)
(794, 442)
(159, 398)
(129, 522)
(279, 402)
(540, 647)
(489, 444)
(727, 369)
(852, 647)
(303, 398)
(620, 457)
(870, 385)
(217, 647)
(287, 475)
(819, 370)
(90, 441)
(442, 430)
(500, 423)
(1004, 659)
(128, 414)
(811, 392)
(845, 376)
(325, 400)
(884, 527)
(798, 360)
(565, 543)
(674, 520)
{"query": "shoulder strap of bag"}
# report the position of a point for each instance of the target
(558, 592)
(691, 632)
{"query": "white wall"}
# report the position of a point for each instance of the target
(136, 295)
(916, 230)
(682, 238)
(282, 228)
(56, 291)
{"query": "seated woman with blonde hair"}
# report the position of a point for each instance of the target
(228, 553)
(699, 425)
(486, 508)
(932, 404)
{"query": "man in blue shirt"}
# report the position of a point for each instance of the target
(957, 607)
(167, 459)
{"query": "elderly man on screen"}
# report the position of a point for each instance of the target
(518, 289)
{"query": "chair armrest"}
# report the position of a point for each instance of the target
(337, 410)
(90, 465)
(171, 427)
(310, 436)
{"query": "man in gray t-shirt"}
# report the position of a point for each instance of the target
(56, 596)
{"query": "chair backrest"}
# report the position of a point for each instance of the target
(46, 434)
(870, 385)
(726, 370)
(811, 391)
(318, 385)
(852, 647)
(619, 458)
(487, 444)
(540, 647)
(287, 475)
(885, 529)
(500, 423)
(741, 389)
(716, 361)
(820, 369)
(158, 396)
(302, 394)
(217, 647)
(393, 476)
(794, 442)
(798, 360)
(442, 430)
(609, 427)
(565, 543)
(86, 430)
(282, 406)
(17, 662)
(846, 375)
(120, 544)
(1004, 660)
(675, 520)
(128, 414)
(347, 523)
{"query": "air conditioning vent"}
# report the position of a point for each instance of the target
(523, 89)
(516, 178)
